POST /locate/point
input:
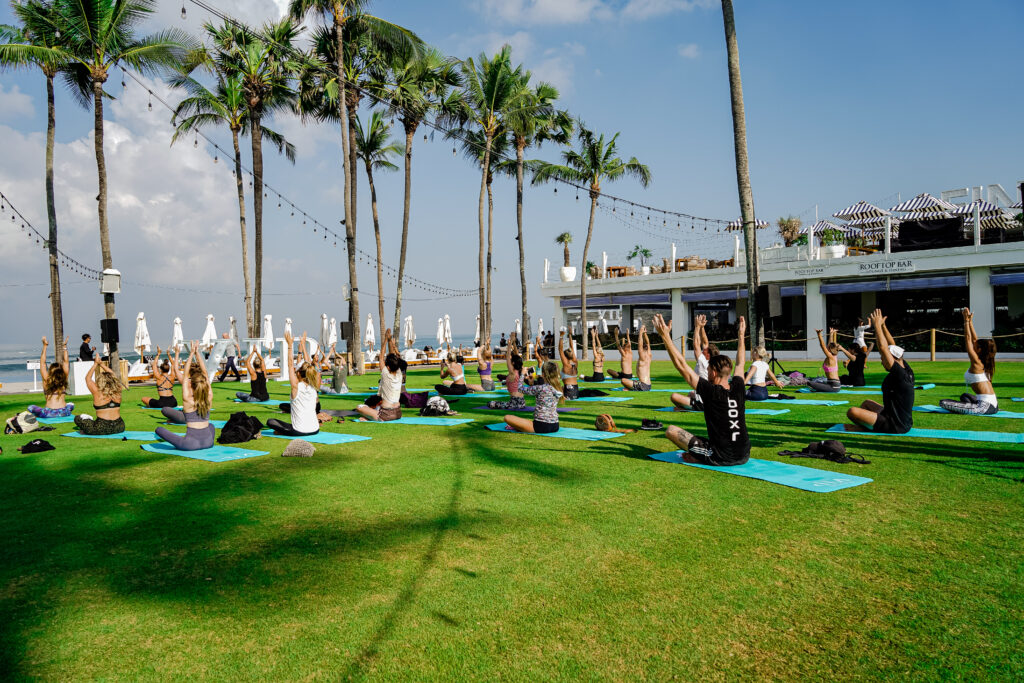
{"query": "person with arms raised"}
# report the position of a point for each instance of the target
(304, 394)
(894, 415)
(55, 385)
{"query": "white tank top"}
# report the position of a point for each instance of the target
(760, 369)
(702, 366)
(390, 386)
(304, 410)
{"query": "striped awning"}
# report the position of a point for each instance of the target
(877, 222)
(819, 227)
(985, 208)
(860, 210)
(738, 224)
(1015, 206)
(924, 215)
(924, 202)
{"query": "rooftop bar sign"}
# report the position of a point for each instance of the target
(887, 267)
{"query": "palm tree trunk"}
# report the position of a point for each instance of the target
(376, 233)
(739, 126)
(257, 204)
(583, 272)
(354, 342)
(410, 132)
(480, 218)
(519, 225)
(101, 171)
(51, 214)
(239, 185)
(486, 331)
(353, 161)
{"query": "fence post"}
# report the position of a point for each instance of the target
(933, 344)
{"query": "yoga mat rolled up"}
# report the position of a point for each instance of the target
(784, 473)
(955, 434)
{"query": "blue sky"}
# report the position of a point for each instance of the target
(844, 101)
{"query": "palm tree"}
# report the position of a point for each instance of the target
(565, 239)
(415, 89)
(376, 149)
(226, 105)
(739, 127)
(490, 90)
(102, 37)
(37, 43)
(533, 122)
(594, 161)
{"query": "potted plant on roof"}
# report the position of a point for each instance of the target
(568, 273)
(832, 244)
(642, 253)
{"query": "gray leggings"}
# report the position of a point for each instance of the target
(173, 415)
(192, 440)
(824, 384)
(968, 405)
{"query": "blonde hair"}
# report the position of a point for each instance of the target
(107, 382)
(312, 376)
(56, 381)
(549, 371)
(760, 352)
(201, 394)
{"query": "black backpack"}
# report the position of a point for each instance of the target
(827, 450)
(240, 428)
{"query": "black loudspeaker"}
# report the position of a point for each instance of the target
(108, 331)
(344, 329)
(774, 301)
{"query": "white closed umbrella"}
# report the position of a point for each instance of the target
(332, 337)
(234, 328)
(210, 333)
(540, 326)
(177, 336)
(519, 328)
(288, 326)
(409, 332)
(142, 333)
(476, 335)
(603, 329)
(324, 331)
(370, 339)
(440, 331)
(268, 332)
(447, 330)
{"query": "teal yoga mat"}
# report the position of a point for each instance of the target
(131, 436)
(55, 420)
(177, 407)
(604, 399)
(215, 454)
(919, 387)
(943, 411)
(805, 390)
(749, 411)
(784, 473)
(326, 438)
(417, 420)
(268, 402)
(654, 391)
(955, 434)
(803, 402)
(1017, 399)
(563, 433)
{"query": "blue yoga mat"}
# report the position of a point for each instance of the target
(215, 454)
(605, 399)
(802, 402)
(655, 391)
(417, 420)
(562, 433)
(749, 411)
(219, 424)
(268, 402)
(956, 434)
(55, 420)
(869, 391)
(943, 411)
(131, 436)
(794, 476)
(527, 409)
(327, 438)
(604, 381)
(1017, 399)
(177, 407)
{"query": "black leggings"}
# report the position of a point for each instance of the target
(596, 377)
(453, 390)
(163, 402)
(286, 429)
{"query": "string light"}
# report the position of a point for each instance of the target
(183, 10)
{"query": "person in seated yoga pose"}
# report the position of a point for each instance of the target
(703, 351)
(254, 367)
(855, 363)
(894, 415)
(598, 375)
(759, 372)
(514, 379)
(643, 364)
(625, 347)
(339, 374)
(829, 382)
(548, 393)
(724, 398)
(196, 396)
(105, 388)
(55, 385)
(389, 389)
(483, 367)
(982, 354)
(453, 377)
(304, 391)
(570, 368)
(164, 377)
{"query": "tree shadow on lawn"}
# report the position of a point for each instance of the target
(68, 525)
(494, 448)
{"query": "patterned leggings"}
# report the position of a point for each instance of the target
(513, 403)
(969, 405)
(66, 411)
(99, 426)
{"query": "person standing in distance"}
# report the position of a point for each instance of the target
(86, 352)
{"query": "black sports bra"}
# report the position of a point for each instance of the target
(108, 406)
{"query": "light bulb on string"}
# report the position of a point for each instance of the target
(195, 142)
(151, 100)
(183, 10)
(214, 158)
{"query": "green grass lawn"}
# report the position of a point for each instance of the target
(435, 553)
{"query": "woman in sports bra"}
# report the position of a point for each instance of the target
(196, 396)
(483, 367)
(756, 377)
(105, 388)
(829, 382)
(164, 382)
(570, 369)
(55, 385)
(595, 343)
(455, 384)
(514, 379)
(982, 354)
(254, 367)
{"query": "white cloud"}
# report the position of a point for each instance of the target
(14, 104)
(647, 9)
(527, 12)
(558, 71)
(521, 43)
(689, 50)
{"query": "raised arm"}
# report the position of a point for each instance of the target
(876, 321)
(154, 365)
(43, 370)
(675, 355)
(304, 349)
(90, 378)
(969, 338)
(849, 355)
(741, 347)
(821, 343)
(561, 348)
(176, 367)
(65, 362)
(698, 328)
(889, 341)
